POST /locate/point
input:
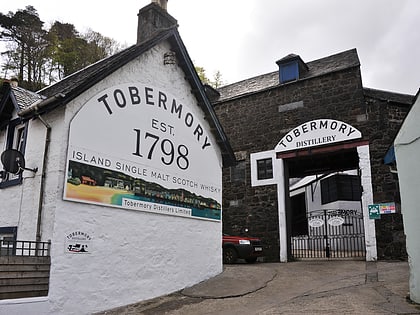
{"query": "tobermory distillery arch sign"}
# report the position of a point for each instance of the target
(139, 147)
(317, 133)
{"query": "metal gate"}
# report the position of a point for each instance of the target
(332, 234)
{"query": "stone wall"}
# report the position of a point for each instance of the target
(386, 117)
(258, 121)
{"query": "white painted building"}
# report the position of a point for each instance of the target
(123, 175)
(407, 150)
(310, 187)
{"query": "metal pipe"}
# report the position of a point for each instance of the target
(43, 174)
(34, 109)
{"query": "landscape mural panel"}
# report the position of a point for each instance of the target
(138, 147)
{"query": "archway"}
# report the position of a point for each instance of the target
(333, 152)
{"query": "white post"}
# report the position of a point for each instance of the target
(281, 200)
(367, 199)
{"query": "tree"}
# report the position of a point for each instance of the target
(100, 46)
(39, 57)
(72, 51)
(217, 78)
(61, 36)
(27, 44)
(202, 75)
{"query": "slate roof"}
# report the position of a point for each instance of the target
(62, 92)
(333, 63)
(25, 98)
(389, 96)
(14, 99)
(80, 81)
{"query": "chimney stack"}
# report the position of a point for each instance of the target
(152, 19)
(162, 3)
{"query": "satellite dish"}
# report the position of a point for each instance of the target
(14, 162)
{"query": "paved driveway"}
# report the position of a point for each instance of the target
(308, 287)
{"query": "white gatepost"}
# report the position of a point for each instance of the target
(281, 200)
(367, 199)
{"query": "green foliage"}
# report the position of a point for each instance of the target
(217, 78)
(39, 57)
(26, 39)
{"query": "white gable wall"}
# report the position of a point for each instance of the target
(133, 255)
(144, 254)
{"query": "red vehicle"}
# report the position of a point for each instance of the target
(241, 247)
(88, 181)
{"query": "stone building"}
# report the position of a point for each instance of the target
(263, 117)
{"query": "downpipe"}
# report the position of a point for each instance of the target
(43, 176)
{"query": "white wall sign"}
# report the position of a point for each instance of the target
(78, 242)
(335, 221)
(138, 147)
(316, 133)
(316, 222)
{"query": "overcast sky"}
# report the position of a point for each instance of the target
(244, 38)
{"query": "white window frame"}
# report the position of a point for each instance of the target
(255, 157)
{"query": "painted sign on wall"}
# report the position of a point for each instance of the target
(387, 208)
(78, 242)
(384, 208)
(316, 133)
(138, 147)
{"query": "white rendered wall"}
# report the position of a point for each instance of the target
(145, 254)
(134, 255)
(313, 197)
(19, 204)
(407, 150)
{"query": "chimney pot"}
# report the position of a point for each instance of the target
(162, 3)
(14, 82)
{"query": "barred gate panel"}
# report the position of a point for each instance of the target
(332, 234)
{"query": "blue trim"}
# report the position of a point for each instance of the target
(9, 230)
(289, 72)
(390, 156)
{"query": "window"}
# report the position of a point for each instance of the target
(289, 72)
(264, 169)
(341, 187)
(16, 138)
(7, 240)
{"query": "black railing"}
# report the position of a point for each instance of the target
(24, 248)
